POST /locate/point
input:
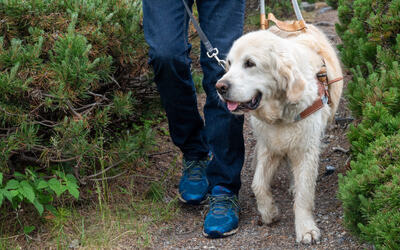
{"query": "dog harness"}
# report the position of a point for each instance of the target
(323, 94)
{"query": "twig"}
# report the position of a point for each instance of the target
(76, 171)
(64, 160)
(46, 125)
(98, 95)
(73, 111)
(108, 178)
(119, 236)
(104, 170)
(115, 81)
(160, 153)
(11, 237)
(339, 148)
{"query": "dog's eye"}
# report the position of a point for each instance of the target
(249, 63)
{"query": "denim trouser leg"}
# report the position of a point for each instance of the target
(166, 31)
(222, 22)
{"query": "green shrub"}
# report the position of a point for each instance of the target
(62, 104)
(371, 193)
(366, 27)
(333, 3)
(281, 9)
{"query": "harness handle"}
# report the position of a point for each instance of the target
(289, 27)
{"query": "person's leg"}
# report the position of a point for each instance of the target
(222, 22)
(166, 31)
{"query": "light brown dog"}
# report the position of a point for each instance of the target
(272, 75)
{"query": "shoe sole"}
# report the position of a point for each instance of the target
(217, 234)
(192, 202)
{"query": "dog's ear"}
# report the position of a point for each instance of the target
(293, 82)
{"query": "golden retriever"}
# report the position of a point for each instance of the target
(271, 74)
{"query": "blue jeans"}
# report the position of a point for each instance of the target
(166, 31)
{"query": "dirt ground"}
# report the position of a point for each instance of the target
(186, 230)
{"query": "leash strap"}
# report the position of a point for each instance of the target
(211, 51)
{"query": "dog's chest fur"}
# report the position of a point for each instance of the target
(285, 137)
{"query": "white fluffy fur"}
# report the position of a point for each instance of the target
(285, 73)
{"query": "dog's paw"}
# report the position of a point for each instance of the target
(308, 235)
(269, 215)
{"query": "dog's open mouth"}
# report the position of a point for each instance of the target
(244, 106)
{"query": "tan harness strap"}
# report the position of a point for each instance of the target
(290, 27)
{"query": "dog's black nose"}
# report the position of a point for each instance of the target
(222, 86)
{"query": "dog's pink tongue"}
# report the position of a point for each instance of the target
(232, 105)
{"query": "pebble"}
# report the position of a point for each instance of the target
(74, 244)
(329, 169)
(324, 24)
(307, 6)
(325, 9)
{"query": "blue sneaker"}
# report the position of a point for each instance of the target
(193, 186)
(223, 217)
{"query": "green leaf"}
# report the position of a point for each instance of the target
(39, 206)
(1, 179)
(52, 209)
(27, 191)
(73, 190)
(56, 186)
(1, 197)
(28, 229)
(10, 194)
(71, 178)
(12, 184)
(42, 184)
(19, 175)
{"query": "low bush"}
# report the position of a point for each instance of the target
(63, 105)
(333, 3)
(370, 191)
(367, 27)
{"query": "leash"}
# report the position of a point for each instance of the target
(211, 51)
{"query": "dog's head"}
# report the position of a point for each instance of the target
(261, 76)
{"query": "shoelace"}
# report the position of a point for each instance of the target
(221, 203)
(194, 170)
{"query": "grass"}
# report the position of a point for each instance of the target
(110, 213)
(126, 219)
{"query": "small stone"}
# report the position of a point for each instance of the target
(74, 244)
(307, 6)
(266, 235)
(325, 217)
(341, 240)
(325, 9)
(322, 23)
(329, 169)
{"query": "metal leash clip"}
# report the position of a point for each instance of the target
(214, 54)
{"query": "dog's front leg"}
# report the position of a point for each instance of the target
(305, 171)
(266, 165)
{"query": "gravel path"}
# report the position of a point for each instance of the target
(186, 230)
